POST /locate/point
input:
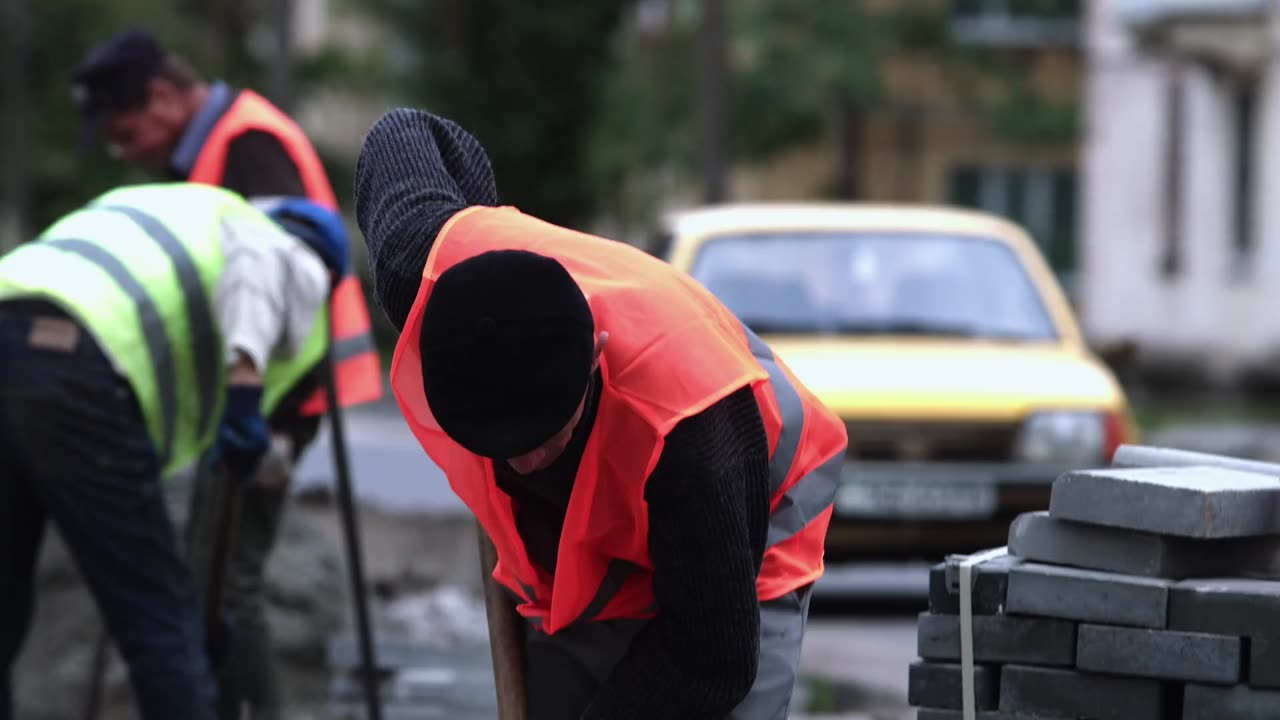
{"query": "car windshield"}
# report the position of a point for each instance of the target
(874, 283)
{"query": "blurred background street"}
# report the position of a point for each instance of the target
(998, 237)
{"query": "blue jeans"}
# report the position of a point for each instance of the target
(74, 450)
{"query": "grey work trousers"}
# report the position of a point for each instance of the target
(563, 671)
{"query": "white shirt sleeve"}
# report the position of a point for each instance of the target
(271, 289)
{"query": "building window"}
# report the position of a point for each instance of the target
(1245, 106)
(1040, 199)
(1013, 23)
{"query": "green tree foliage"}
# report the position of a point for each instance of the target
(525, 78)
(224, 39)
(794, 66)
(646, 119)
(59, 34)
(795, 60)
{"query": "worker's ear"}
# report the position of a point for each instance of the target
(601, 340)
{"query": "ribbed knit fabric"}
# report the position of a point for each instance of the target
(415, 171)
(708, 495)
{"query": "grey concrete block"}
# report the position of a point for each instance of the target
(938, 685)
(1067, 693)
(1264, 659)
(990, 580)
(1150, 456)
(1240, 702)
(1087, 595)
(1227, 606)
(1161, 654)
(1198, 502)
(1041, 538)
(999, 639)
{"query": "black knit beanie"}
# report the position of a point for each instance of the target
(507, 346)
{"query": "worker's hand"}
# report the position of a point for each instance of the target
(243, 438)
(319, 228)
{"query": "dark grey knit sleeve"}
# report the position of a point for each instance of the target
(415, 171)
(708, 523)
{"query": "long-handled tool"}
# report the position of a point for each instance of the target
(351, 533)
(96, 672)
(227, 514)
(216, 631)
(506, 637)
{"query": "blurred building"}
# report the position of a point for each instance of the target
(987, 117)
(1181, 161)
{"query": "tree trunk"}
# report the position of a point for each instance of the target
(849, 134)
(712, 81)
(280, 77)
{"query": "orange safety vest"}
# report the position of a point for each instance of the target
(358, 368)
(673, 351)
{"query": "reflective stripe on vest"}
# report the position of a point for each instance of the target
(204, 330)
(614, 578)
(138, 268)
(351, 347)
(358, 368)
(813, 493)
(671, 324)
(798, 507)
(154, 334)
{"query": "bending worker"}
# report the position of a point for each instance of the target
(656, 483)
(158, 112)
(135, 333)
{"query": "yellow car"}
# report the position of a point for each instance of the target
(941, 337)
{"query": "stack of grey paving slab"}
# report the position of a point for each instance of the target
(1148, 590)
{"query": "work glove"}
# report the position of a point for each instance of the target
(319, 228)
(243, 437)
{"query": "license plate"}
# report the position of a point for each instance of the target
(908, 500)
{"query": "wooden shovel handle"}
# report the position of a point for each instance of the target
(506, 637)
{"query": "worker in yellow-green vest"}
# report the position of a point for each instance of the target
(155, 325)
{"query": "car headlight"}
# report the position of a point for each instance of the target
(1062, 437)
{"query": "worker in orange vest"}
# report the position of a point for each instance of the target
(657, 484)
(150, 107)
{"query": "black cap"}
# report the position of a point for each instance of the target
(114, 76)
(507, 343)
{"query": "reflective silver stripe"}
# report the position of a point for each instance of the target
(532, 599)
(804, 501)
(532, 595)
(347, 348)
(614, 577)
(789, 405)
(204, 335)
(154, 333)
(814, 492)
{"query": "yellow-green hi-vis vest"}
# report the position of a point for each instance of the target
(137, 267)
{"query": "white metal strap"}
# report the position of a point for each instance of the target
(966, 626)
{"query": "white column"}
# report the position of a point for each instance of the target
(1122, 184)
(1207, 230)
(1253, 307)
